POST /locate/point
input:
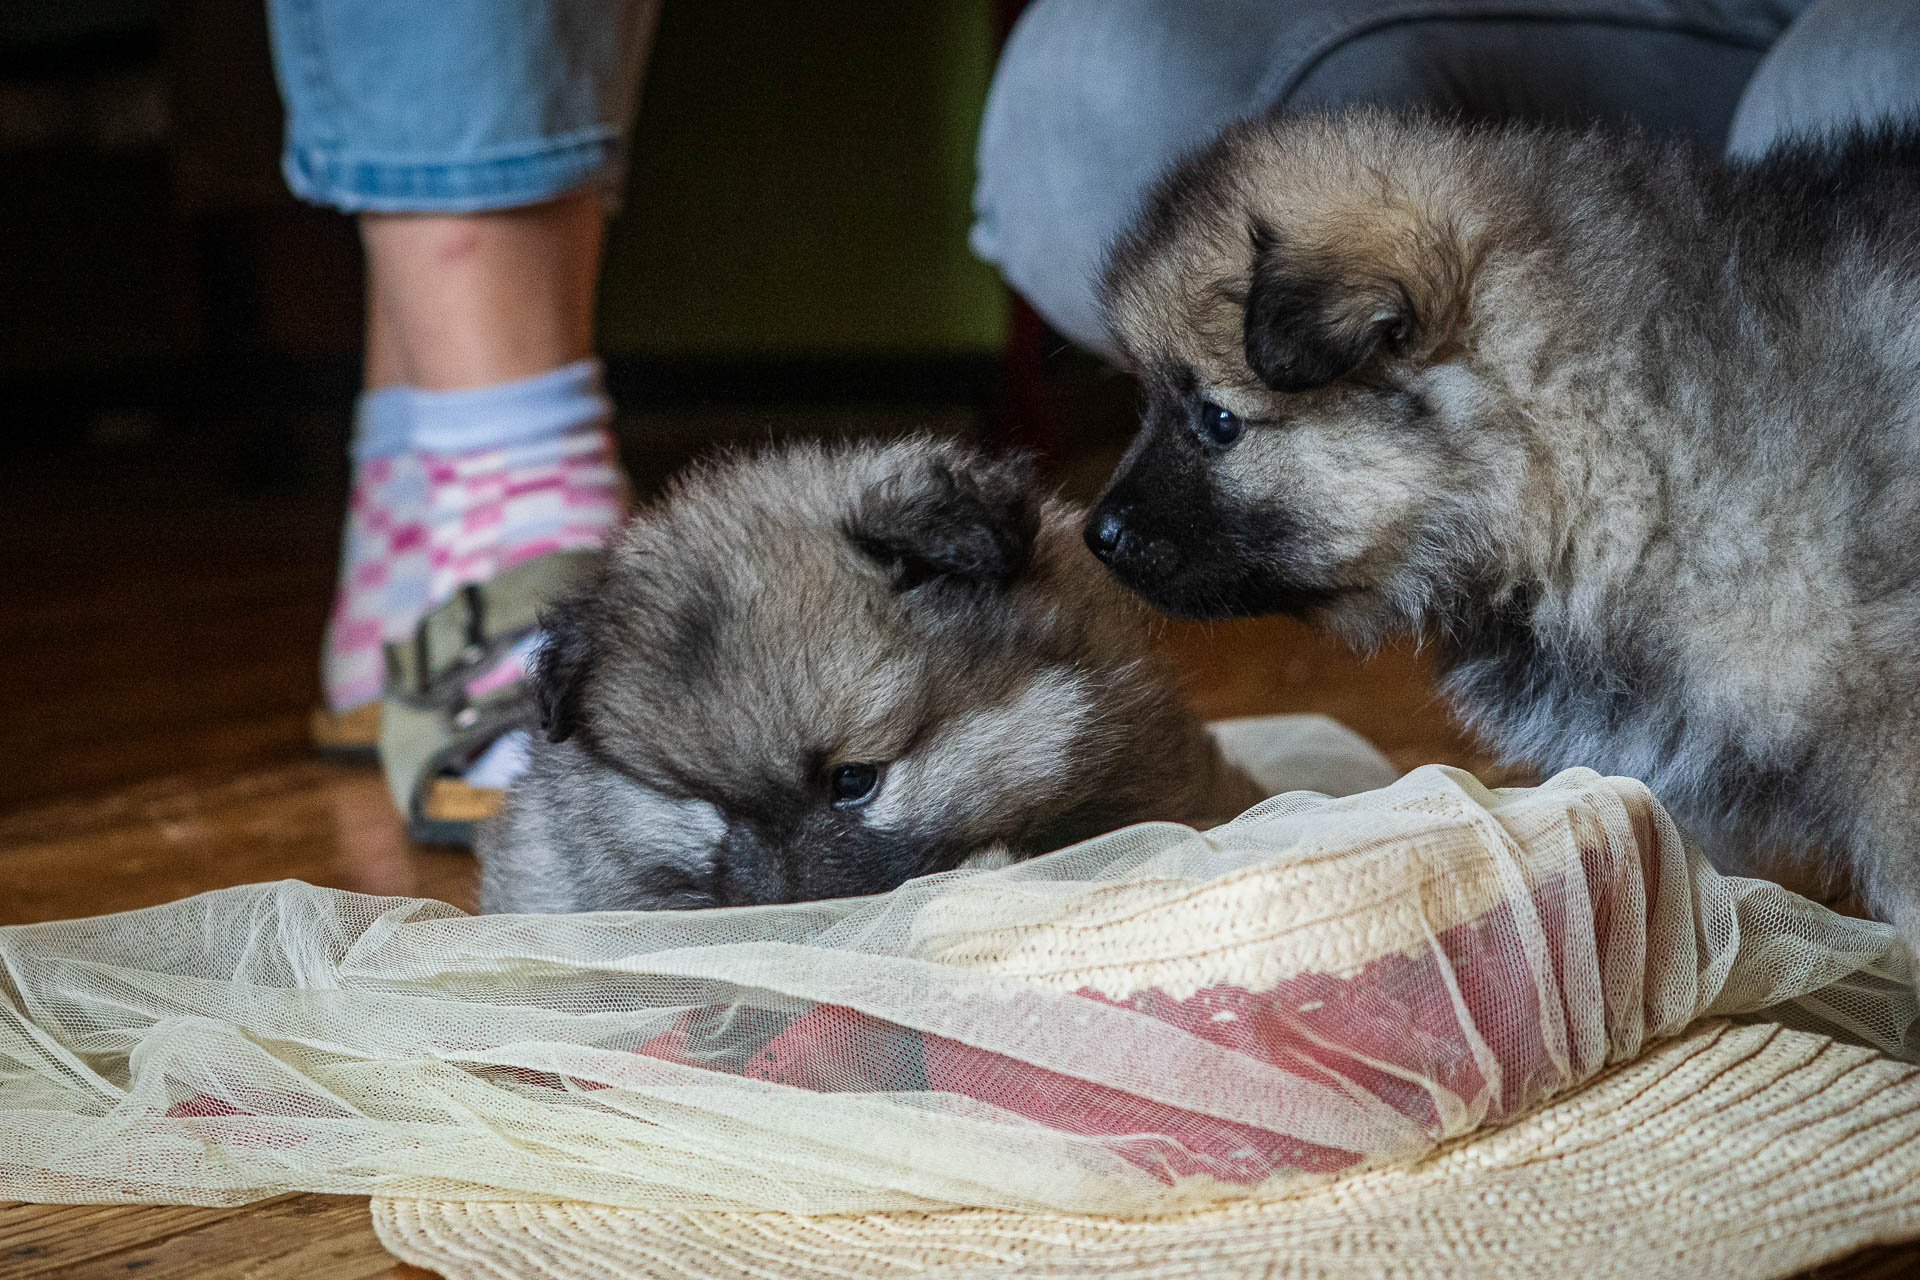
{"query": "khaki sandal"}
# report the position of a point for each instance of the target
(430, 729)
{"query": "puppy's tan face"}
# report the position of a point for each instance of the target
(821, 672)
(1315, 424)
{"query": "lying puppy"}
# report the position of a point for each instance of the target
(1635, 440)
(822, 671)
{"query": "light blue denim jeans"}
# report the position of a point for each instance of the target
(455, 106)
(1093, 98)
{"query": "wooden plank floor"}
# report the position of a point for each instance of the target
(159, 646)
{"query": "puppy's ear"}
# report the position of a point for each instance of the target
(561, 663)
(1306, 326)
(971, 520)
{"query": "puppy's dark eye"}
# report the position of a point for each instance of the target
(1219, 427)
(852, 783)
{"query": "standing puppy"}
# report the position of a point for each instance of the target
(821, 671)
(1633, 439)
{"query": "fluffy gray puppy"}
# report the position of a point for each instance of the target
(1632, 438)
(821, 671)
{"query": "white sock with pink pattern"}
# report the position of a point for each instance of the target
(514, 471)
(452, 487)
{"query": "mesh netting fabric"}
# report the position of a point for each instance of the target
(1154, 1020)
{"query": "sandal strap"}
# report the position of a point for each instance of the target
(468, 632)
(428, 723)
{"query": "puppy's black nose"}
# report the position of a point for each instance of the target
(1105, 531)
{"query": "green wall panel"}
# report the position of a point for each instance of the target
(800, 184)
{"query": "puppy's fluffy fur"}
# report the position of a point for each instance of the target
(1633, 438)
(781, 630)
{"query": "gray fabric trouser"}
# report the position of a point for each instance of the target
(1093, 98)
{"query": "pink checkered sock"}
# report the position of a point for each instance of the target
(514, 471)
(491, 509)
(382, 587)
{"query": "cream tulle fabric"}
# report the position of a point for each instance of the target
(1153, 1020)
